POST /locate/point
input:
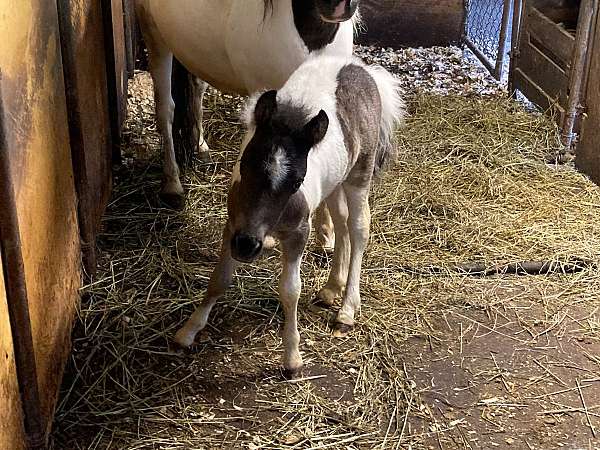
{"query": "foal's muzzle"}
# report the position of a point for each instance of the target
(245, 248)
(341, 10)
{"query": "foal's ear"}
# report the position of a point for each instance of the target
(265, 108)
(314, 131)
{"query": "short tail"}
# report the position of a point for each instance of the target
(393, 111)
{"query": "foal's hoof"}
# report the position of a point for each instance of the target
(184, 338)
(172, 200)
(341, 330)
(325, 298)
(292, 374)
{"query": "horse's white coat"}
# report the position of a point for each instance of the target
(228, 44)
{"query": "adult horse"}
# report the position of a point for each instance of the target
(238, 46)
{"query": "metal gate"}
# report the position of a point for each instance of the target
(488, 33)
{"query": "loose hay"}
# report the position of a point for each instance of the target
(472, 185)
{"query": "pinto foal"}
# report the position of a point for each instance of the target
(323, 136)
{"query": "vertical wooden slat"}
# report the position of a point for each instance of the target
(85, 72)
(39, 154)
(116, 63)
(19, 415)
(588, 150)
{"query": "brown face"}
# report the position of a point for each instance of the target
(272, 170)
(336, 10)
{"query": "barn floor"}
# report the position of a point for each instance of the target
(440, 359)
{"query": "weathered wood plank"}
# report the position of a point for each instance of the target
(84, 65)
(12, 435)
(588, 150)
(116, 61)
(32, 88)
(556, 41)
(543, 71)
(401, 23)
(534, 93)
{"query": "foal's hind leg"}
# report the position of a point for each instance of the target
(334, 288)
(204, 151)
(220, 280)
(161, 61)
(359, 221)
(324, 228)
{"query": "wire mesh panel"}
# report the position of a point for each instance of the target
(488, 30)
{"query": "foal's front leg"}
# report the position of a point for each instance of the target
(220, 279)
(289, 293)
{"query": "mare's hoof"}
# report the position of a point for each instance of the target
(341, 330)
(173, 201)
(204, 157)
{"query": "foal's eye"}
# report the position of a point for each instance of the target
(297, 184)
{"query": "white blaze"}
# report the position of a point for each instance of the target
(278, 167)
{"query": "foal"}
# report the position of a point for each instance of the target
(323, 136)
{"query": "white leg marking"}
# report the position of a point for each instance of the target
(220, 280)
(289, 293)
(338, 275)
(359, 220)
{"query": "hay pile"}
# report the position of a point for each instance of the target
(472, 185)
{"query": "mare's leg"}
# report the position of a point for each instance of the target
(220, 280)
(161, 62)
(201, 87)
(338, 275)
(324, 228)
(289, 293)
(359, 220)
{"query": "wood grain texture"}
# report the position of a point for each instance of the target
(40, 156)
(402, 23)
(85, 71)
(11, 421)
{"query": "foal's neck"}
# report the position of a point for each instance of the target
(314, 31)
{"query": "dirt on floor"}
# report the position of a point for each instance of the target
(439, 359)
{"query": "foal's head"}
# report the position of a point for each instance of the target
(272, 169)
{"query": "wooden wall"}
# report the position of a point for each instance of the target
(406, 23)
(34, 109)
(588, 150)
(11, 417)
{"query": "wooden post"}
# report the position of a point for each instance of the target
(18, 304)
(588, 150)
(577, 72)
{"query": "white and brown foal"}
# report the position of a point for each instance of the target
(323, 136)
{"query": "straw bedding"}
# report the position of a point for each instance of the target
(475, 183)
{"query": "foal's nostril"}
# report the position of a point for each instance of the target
(246, 246)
